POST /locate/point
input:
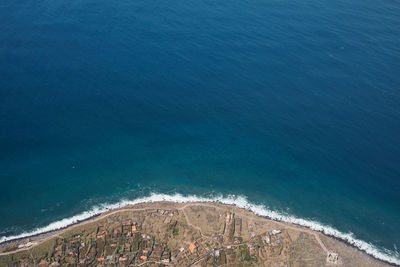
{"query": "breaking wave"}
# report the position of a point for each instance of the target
(239, 201)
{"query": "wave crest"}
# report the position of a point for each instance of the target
(239, 201)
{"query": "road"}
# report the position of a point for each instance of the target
(182, 208)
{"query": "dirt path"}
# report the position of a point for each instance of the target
(254, 218)
(182, 208)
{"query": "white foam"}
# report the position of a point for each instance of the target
(239, 201)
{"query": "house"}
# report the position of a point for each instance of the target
(144, 236)
(275, 232)
(332, 257)
(228, 217)
(192, 247)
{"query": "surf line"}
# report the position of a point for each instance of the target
(238, 201)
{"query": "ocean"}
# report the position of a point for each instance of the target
(288, 108)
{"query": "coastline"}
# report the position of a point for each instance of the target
(39, 238)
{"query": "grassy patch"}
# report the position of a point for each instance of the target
(246, 255)
(176, 231)
(11, 248)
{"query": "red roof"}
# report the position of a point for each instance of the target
(192, 247)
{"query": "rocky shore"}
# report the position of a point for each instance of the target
(182, 234)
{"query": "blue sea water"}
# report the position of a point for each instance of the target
(293, 104)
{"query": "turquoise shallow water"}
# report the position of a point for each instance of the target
(291, 104)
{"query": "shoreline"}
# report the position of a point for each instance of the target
(44, 235)
(39, 238)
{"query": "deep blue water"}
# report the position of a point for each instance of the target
(294, 104)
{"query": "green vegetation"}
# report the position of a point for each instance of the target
(11, 248)
(176, 231)
(164, 237)
(245, 255)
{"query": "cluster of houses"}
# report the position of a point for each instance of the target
(126, 242)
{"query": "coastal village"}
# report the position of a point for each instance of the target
(182, 235)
